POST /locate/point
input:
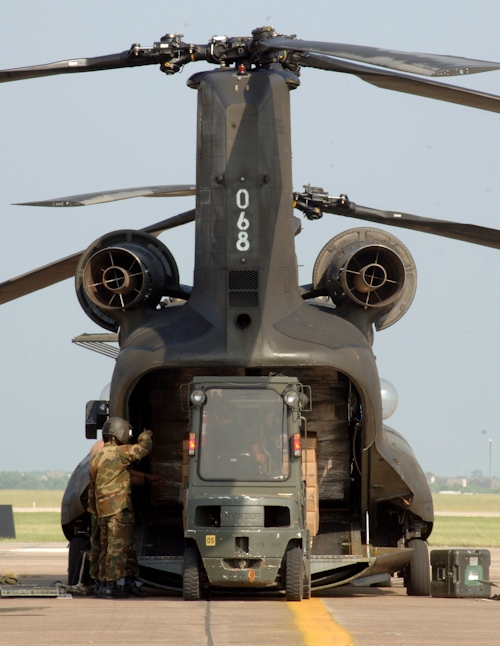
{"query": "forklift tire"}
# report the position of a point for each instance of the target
(191, 588)
(307, 582)
(294, 574)
(418, 580)
(78, 545)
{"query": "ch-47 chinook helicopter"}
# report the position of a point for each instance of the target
(246, 318)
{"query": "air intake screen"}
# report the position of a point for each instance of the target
(243, 289)
(243, 299)
(243, 280)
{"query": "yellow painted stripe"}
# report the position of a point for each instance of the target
(317, 625)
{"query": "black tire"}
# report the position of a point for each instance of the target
(307, 581)
(191, 589)
(294, 574)
(78, 545)
(418, 578)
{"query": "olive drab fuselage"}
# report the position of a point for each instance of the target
(246, 316)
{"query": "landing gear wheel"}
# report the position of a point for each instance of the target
(191, 588)
(418, 580)
(294, 574)
(78, 545)
(307, 581)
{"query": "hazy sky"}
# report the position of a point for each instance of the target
(87, 132)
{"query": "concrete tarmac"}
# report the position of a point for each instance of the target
(345, 616)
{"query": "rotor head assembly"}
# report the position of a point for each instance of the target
(119, 275)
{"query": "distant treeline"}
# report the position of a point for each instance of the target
(33, 480)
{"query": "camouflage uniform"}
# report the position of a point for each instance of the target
(110, 500)
(95, 535)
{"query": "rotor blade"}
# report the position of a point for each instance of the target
(400, 82)
(39, 278)
(86, 199)
(414, 62)
(75, 65)
(456, 230)
(65, 268)
(170, 223)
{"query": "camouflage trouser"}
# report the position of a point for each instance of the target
(95, 547)
(118, 557)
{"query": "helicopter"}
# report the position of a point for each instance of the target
(245, 314)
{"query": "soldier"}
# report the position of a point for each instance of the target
(137, 478)
(110, 502)
(95, 535)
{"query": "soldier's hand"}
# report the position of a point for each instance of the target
(151, 477)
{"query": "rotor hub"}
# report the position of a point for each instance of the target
(116, 279)
(370, 278)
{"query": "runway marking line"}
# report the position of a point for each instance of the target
(317, 625)
(52, 550)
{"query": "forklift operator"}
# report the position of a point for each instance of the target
(241, 438)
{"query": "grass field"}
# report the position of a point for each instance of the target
(43, 527)
(477, 502)
(465, 532)
(448, 530)
(36, 527)
(460, 531)
(26, 497)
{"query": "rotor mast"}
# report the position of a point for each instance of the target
(245, 263)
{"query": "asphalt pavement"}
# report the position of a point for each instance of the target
(340, 617)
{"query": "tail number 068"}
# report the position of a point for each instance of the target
(242, 202)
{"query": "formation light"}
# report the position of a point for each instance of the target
(389, 398)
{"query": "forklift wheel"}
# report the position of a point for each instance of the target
(191, 575)
(294, 575)
(307, 585)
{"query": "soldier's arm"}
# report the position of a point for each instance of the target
(91, 506)
(140, 450)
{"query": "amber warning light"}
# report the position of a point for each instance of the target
(192, 443)
(296, 445)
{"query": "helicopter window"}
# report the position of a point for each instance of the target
(243, 436)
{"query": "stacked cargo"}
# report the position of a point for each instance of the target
(310, 476)
(185, 475)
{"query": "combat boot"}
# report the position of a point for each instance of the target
(131, 587)
(98, 588)
(112, 591)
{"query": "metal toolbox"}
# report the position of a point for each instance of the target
(459, 573)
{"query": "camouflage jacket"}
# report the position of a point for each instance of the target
(109, 486)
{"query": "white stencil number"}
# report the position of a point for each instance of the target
(243, 244)
(242, 202)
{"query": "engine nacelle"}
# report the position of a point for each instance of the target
(370, 269)
(123, 271)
